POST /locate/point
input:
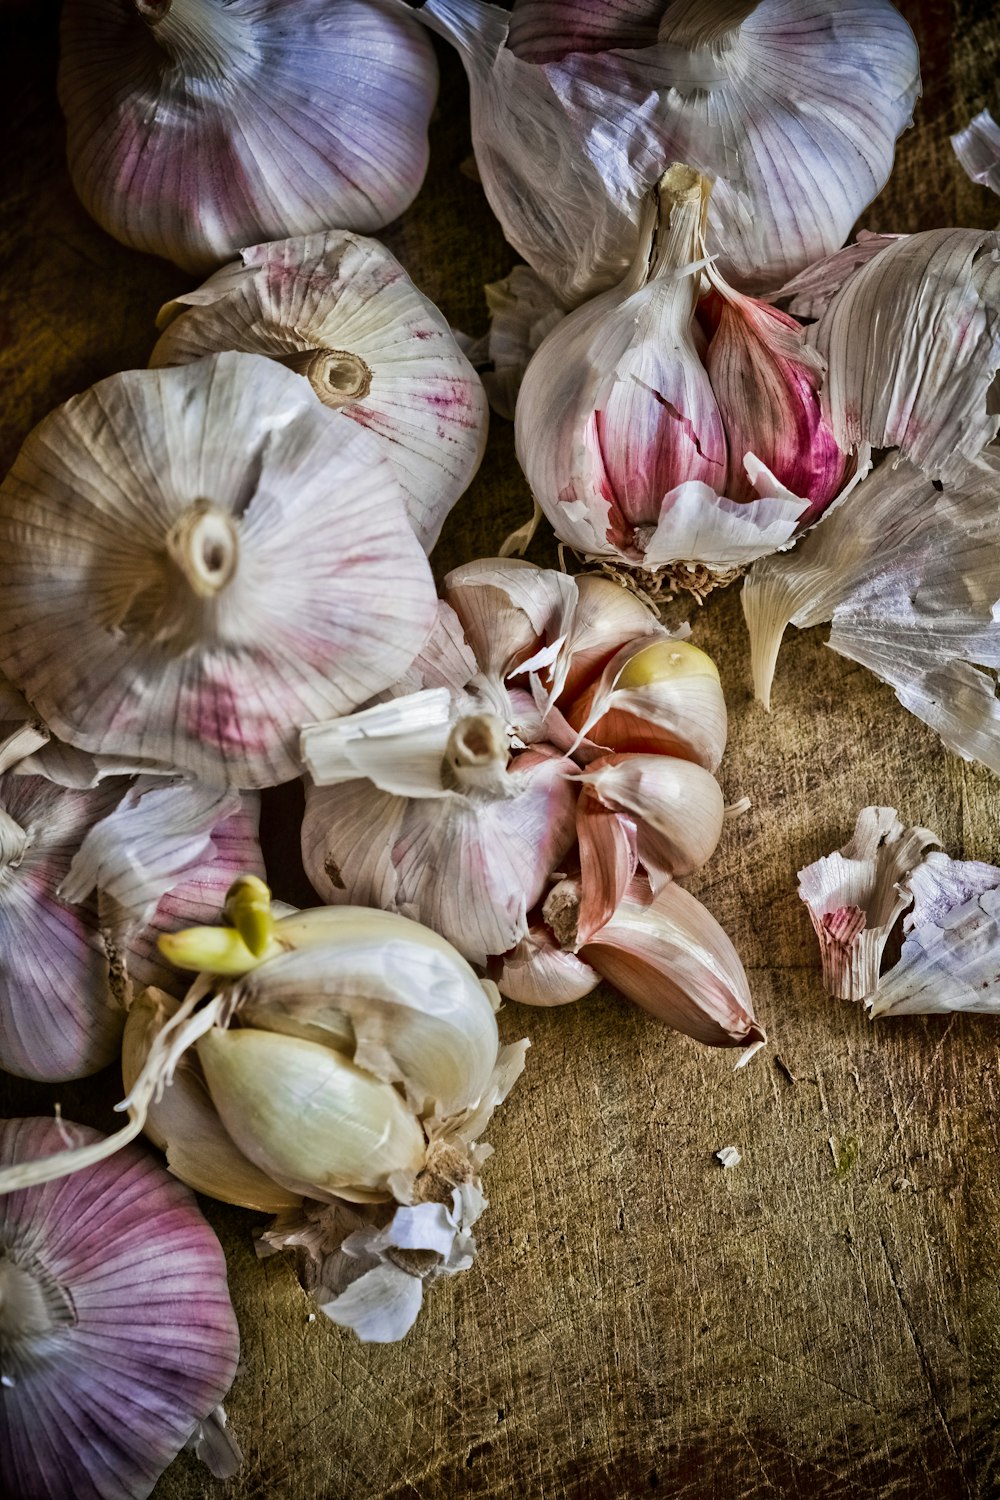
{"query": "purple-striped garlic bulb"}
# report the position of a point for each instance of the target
(198, 126)
(231, 564)
(117, 1336)
(341, 311)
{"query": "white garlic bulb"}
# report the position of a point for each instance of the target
(228, 565)
(340, 310)
(198, 126)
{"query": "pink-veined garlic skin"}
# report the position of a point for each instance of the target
(117, 1335)
(197, 126)
(232, 564)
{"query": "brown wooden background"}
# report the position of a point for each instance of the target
(822, 1320)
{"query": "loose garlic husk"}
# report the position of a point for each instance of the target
(630, 451)
(792, 106)
(232, 564)
(341, 311)
(198, 126)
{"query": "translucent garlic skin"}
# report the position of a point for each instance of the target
(197, 126)
(339, 309)
(231, 565)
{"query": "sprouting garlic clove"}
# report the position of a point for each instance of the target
(185, 1125)
(677, 806)
(340, 310)
(663, 698)
(195, 127)
(352, 1132)
(330, 600)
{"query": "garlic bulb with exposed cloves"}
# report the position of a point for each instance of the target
(117, 1335)
(645, 448)
(198, 126)
(340, 310)
(792, 106)
(230, 564)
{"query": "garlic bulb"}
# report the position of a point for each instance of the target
(792, 106)
(117, 1336)
(198, 126)
(643, 448)
(340, 310)
(231, 564)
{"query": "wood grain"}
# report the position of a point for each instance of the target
(821, 1320)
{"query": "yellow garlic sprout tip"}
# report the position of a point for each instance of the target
(665, 660)
(211, 950)
(248, 907)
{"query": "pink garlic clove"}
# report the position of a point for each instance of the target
(540, 972)
(677, 806)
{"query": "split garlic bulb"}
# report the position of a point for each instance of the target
(793, 106)
(228, 565)
(198, 126)
(340, 310)
(117, 1336)
(647, 444)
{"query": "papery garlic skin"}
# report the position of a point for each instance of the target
(677, 805)
(231, 564)
(340, 310)
(195, 126)
(539, 972)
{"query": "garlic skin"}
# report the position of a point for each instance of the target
(793, 107)
(196, 126)
(117, 1335)
(200, 632)
(978, 149)
(539, 972)
(340, 310)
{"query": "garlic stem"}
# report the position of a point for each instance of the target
(206, 38)
(686, 23)
(476, 755)
(336, 375)
(204, 545)
(13, 841)
(562, 912)
(672, 232)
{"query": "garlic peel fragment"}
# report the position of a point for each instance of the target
(978, 149)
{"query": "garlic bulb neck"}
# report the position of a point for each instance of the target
(672, 234)
(13, 841)
(205, 547)
(201, 35)
(32, 1305)
(337, 376)
(692, 24)
(476, 756)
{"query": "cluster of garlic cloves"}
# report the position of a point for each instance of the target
(532, 790)
(673, 425)
(341, 311)
(198, 126)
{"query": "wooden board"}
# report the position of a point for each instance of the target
(821, 1320)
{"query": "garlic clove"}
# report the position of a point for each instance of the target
(855, 896)
(540, 972)
(352, 1132)
(117, 1330)
(607, 617)
(978, 149)
(185, 1125)
(319, 595)
(507, 608)
(677, 806)
(669, 955)
(608, 863)
(663, 698)
(196, 127)
(340, 310)
(912, 345)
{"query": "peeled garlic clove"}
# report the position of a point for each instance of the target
(767, 383)
(117, 1331)
(231, 565)
(855, 896)
(341, 311)
(978, 149)
(663, 698)
(352, 1132)
(669, 955)
(185, 1125)
(60, 1015)
(195, 127)
(912, 345)
(677, 806)
(540, 972)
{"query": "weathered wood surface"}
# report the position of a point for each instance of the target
(823, 1319)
